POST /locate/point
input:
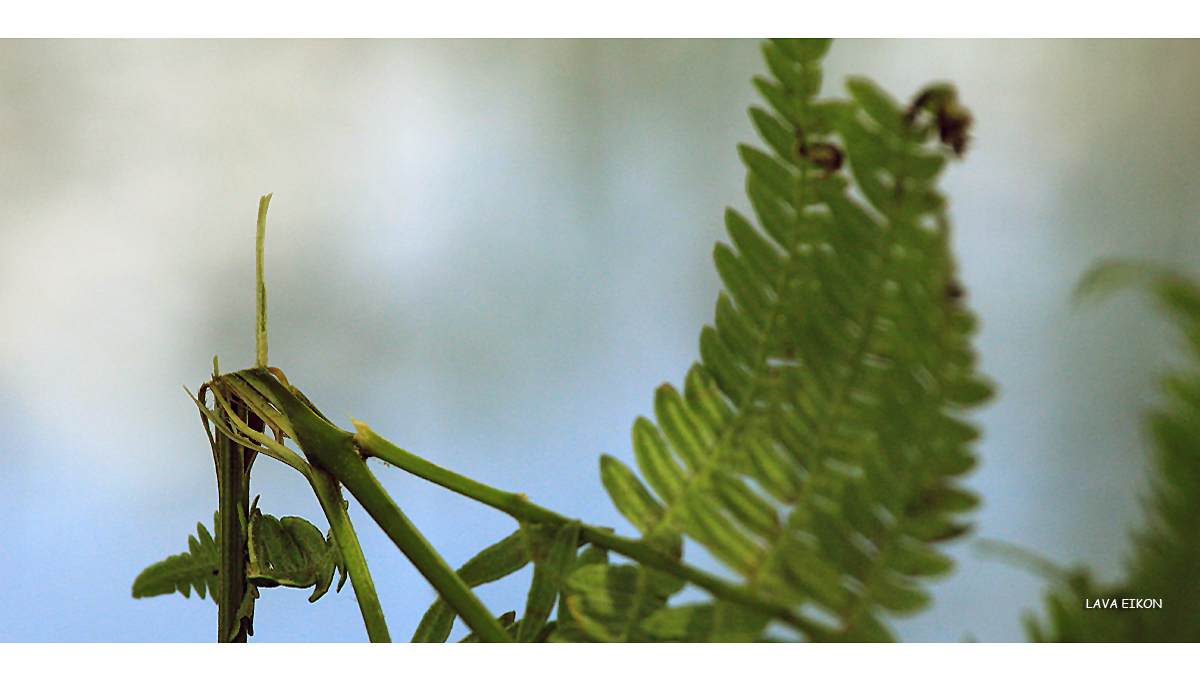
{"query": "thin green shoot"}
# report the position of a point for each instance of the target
(260, 305)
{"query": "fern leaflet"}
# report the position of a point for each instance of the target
(495, 562)
(291, 552)
(197, 568)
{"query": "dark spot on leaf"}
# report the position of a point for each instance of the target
(952, 121)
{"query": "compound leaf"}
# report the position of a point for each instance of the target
(818, 445)
(198, 568)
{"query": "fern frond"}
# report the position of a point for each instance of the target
(815, 449)
(197, 568)
(1167, 550)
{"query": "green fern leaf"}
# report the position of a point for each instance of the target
(608, 603)
(630, 497)
(705, 623)
(815, 449)
(880, 107)
(197, 568)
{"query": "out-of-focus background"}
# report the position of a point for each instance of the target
(493, 252)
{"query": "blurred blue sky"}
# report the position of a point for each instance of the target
(492, 252)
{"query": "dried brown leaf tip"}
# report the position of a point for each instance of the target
(822, 154)
(940, 103)
(825, 155)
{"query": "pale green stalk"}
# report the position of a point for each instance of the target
(260, 297)
(330, 496)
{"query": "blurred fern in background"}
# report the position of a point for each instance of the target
(1165, 563)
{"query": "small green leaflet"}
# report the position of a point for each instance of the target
(548, 575)
(291, 552)
(508, 620)
(608, 603)
(702, 623)
(494, 562)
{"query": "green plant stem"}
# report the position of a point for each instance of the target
(330, 496)
(333, 449)
(233, 490)
(518, 506)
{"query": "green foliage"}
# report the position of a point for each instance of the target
(1163, 566)
(497, 561)
(550, 568)
(288, 551)
(508, 622)
(291, 552)
(198, 568)
(815, 449)
(610, 602)
(553, 553)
